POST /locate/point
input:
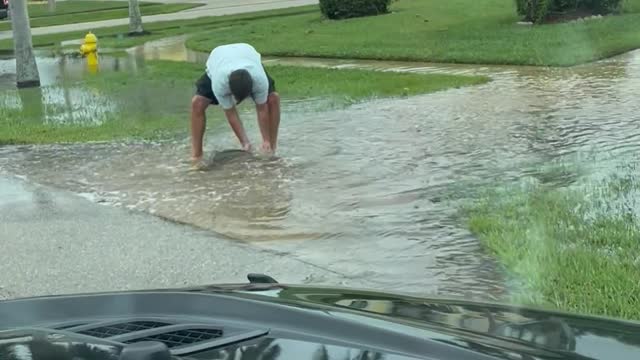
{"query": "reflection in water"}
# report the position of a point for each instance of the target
(31, 103)
(58, 105)
(65, 99)
(360, 190)
(173, 49)
(60, 100)
(54, 70)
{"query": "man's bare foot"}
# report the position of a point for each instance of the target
(247, 147)
(197, 163)
(266, 149)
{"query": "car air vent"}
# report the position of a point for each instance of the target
(181, 337)
(122, 328)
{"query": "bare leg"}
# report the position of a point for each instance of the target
(274, 118)
(199, 106)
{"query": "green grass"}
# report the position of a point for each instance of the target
(630, 6)
(575, 249)
(113, 37)
(458, 31)
(40, 9)
(17, 132)
(343, 85)
(155, 102)
(69, 12)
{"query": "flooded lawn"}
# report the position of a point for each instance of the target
(372, 190)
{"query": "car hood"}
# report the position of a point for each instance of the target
(278, 321)
(484, 326)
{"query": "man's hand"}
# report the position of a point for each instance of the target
(234, 120)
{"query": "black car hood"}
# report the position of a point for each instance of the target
(276, 321)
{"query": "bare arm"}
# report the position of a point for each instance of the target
(236, 124)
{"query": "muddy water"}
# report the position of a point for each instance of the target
(370, 191)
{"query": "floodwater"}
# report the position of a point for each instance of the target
(372, 190)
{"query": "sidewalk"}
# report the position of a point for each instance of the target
(211, 8)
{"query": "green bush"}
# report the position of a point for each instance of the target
(602, 6)
(345, 9)
(535, 11)
(538, 11)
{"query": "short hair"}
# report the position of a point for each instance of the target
(241, 84)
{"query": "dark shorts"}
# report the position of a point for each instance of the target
(203, 87)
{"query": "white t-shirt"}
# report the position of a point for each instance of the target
(226, 59)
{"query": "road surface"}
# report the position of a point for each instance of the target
(55, 242)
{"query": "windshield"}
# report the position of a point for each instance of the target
(478, 150)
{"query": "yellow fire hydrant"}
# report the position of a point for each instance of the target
(89, 49)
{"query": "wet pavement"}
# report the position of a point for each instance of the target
(372, 190)
(54, 242)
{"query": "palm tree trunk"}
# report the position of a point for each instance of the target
(26, 68)
(135, 18)
(33, 106)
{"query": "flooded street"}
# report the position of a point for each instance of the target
(373, 190)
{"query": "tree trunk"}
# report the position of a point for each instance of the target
(135, 18)
(26, 68)
(33, 107)
(51, 5)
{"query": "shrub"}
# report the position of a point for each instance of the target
(535, 11)
(345, 9)
(602, 6)
(538, 11)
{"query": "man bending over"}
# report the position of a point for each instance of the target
(233, 73)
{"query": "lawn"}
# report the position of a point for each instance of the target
(631, 6)
(76, 11)
(155, 102)
(457, 31)
(113, 37)
(572, 248)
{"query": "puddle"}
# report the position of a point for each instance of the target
(61, 99)
(371, 190)
(173, 49)
(64, 99)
